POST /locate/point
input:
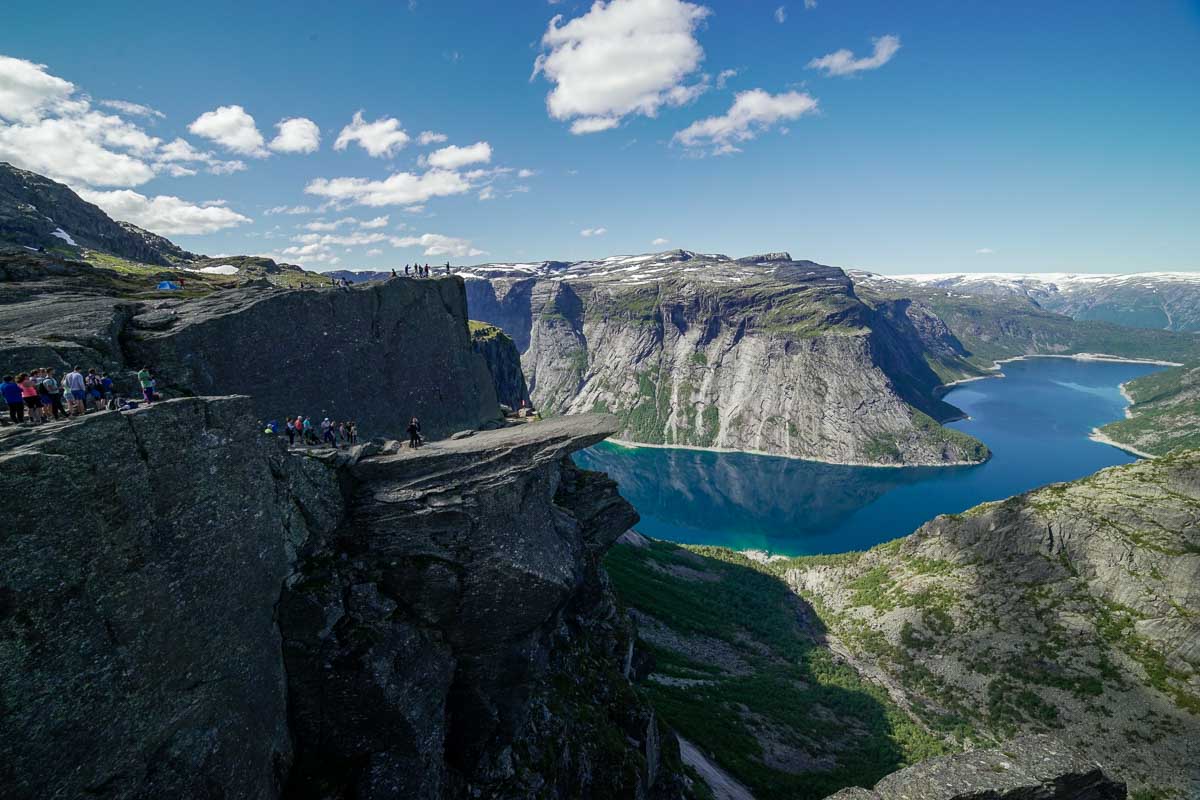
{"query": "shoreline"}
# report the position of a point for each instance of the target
(1091, 357)
(1097, 436)
(638, 445)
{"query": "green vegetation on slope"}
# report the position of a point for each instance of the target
(1165, 414)
(741, 672)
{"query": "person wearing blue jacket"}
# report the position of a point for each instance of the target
(11, 392)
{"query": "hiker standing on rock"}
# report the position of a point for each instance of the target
(10, 390)
(73, 383)
(289, 425)
(53, 393)
(147, 383)
(29, 396)
(414, 433)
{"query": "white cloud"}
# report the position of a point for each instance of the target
(232, 128)
(179, 151)
(751, 113)
(454, 157)
(587, 233)
(324, 225)
(27, 90)
(431, 137)
(526, 173)
(373, 223)
(436, 244)
(985, 251)
(165, 214)
(622, 57)
(488, 193)
(399, 189)
(134, 109)
(288, 210)
(781, 15)
(84, 149)
(659, 241)
(809, 5)
(353, 239)
(383, 137)
(723, 77)
(374, 251)
(296, 135)
(843, 62)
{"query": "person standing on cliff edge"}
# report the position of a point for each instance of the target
(414, 433)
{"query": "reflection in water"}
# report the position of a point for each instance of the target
(1036, 420)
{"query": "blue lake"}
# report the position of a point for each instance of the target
(1036, 420)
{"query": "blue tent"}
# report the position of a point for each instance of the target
(169, 285)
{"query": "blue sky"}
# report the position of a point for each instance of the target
(956, 136)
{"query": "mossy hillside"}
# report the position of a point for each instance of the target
(1165, 414)
(1011, 618)
(787, 718)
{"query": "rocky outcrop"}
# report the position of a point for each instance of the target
(377, 354)
(1071, 610)
(504, 363)
(1029, 768)
(139, 573)
(191, 611)
(762, 354)
(38, 212)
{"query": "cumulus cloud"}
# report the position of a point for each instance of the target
(843, 62)
(374, 251)
(809, 5)
(399, 189)
(133, 109)
(487, 193)
(723, 77)
(383, 137)
(373, 223)
(526, 173)
(752, 112)
(232, 128)
(27, 91)
(781, 14)
(587, 233)
(621, 58)
(165, 214)
(296, 135)
(288, 210)
(174, 154)
(328, 225)
(430, 137)
(659, 241)
(454, 157)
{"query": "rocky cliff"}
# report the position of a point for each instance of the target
(378, 354)
(763, 354)
(204, 614)
(1028, 768)
(504, 363)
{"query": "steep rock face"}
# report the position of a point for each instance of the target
(38, 212)
(503, 361)
(138, 580)
(456, 637)
(1029, 768)
(763, 354)
(1072, 609)
(378, 354)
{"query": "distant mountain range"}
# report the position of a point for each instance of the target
(1156, 300)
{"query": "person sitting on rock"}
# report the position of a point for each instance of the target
(414, 433)
(10, 390)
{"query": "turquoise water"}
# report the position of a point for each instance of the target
(1036, 420)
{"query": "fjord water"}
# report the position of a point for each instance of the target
(1036, 420)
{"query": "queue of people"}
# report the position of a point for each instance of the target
(419, 271)
(301, 429)
(38, 396)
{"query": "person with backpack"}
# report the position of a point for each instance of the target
(53, 394)
(106, 386)
(95, 389)
(10, 390)
(414, 433)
